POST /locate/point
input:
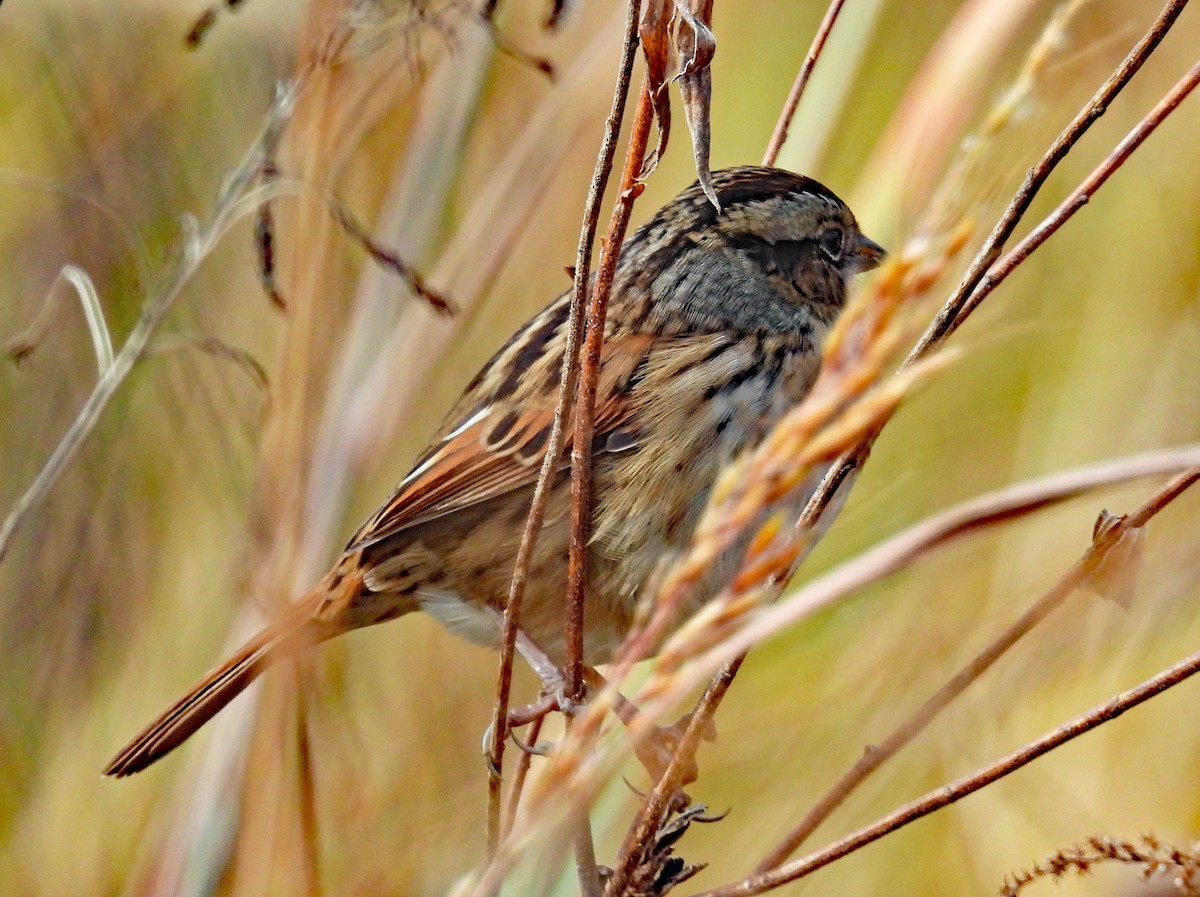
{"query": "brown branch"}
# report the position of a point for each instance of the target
(585, 400)
(562, 411)
(581, 446)
(586, 869)
(665, 789)
(518, 785)
(779, 135)
(1080, 196)
(950, 318)
(955, 791)
(880, 753)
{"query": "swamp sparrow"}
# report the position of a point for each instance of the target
(714, 330)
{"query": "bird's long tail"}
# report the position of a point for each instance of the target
(297, 630)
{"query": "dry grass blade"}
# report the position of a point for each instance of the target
(655, 37)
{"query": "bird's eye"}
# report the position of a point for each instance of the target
(831, 242)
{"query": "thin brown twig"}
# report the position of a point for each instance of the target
(664, 791)
(586, 869)
(585, 400)
(950, 317)
(518, 783)
(1082, 194)
(562, 411)
(387, 258)
(779, 135)
(880, 753)
(581, 443)
(955, 791)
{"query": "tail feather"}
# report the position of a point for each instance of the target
(180, 721)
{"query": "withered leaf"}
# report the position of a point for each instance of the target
(697, 45)
(1119, 569)
(655, 33)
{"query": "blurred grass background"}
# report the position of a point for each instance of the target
(163, 539)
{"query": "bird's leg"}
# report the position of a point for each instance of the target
(552, 697)
(553, 679)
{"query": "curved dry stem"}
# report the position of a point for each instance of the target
(26, 343)
(235, 198)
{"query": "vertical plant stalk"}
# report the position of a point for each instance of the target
(669, 782)
(1093, 557)
(779, 135)
(554, 445)
(581, 444)
(589, 378)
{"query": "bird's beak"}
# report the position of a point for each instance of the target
(869, 253)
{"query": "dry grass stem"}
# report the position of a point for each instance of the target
(235, 199)
(792, 103)
(1153, 859)
(588, 383)
(960, 788)
(562, 412)
(1106, 541)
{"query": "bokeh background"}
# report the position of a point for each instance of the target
(204, 498)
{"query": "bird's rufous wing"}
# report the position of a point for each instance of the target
(497, 447)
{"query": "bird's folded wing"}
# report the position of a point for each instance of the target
(498, 447)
